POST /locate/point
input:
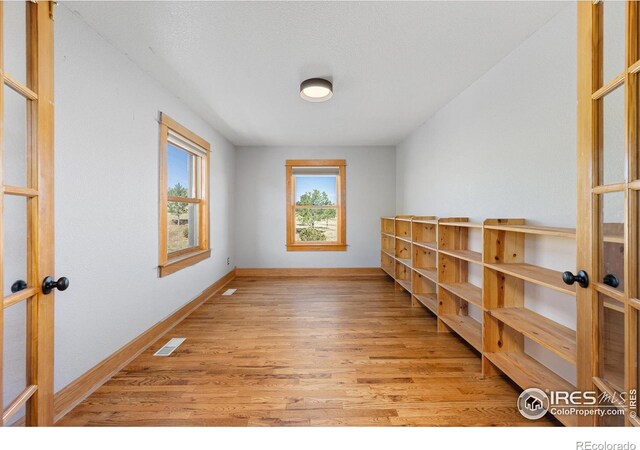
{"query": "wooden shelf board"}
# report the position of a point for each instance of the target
(468, 328)
(537, 275)
(527, 373)
(388, 271)
(551, 335)
(466, 291)
(429, 221)
(431, 274)
(428, 300)
(408, 240)
(540, 230)
(403, 219)
(406, 284)
(391, 235)
(429, 245)
(466, 255)
(388, 254)
(405, 261)
(388, 218)
(613, 239)
(461, 224)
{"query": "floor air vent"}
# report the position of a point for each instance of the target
(229, 292)
(169, 347)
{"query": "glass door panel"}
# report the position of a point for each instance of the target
(14, 25)
(611, 246)
(611, 342)
(14, 352)
(15, 268)
(613, 133)
(15, 138)
(613, 40)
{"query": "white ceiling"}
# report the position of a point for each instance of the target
(239, 64)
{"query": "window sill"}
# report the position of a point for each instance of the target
(316, 247)
(182, 262)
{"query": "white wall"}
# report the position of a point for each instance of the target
(506, 147)
(261, 205)
(107, 201)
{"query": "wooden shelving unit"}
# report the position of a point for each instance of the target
(403, 251)
(388, 245)
(424, 257)
(395, 249)
(455, 292)
(506, 319)
(430, 259)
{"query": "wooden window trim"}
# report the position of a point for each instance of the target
(341, 206)
(172, 262)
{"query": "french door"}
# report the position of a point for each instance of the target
(609, 206)
(26, 212)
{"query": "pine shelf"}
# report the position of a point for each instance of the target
(428, 300)
(405, 261)
(468, 328)
(407, 240)
(391, 235)
(388, 271)
(535, 274)
(461, 224)
(527, 373)
(540, 230)
(551, 335)
(466, 291)
(431, 274)
(466, 255)
(388, 254)
(406, 284)
(429, 245)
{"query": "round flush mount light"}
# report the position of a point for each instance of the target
(316, 90)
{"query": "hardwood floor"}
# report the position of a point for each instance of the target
(305, 351)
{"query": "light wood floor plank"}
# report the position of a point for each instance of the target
(306, 352)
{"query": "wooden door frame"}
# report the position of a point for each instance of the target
(40, 410)
(585, 251)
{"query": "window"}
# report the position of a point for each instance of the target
(184, 197)
(316, 205)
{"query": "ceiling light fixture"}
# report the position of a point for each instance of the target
(316, 90)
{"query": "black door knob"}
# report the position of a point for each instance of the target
(18, 286)
(611, 280)
(582, 278)
(50, 284)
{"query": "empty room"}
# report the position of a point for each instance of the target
(233, 214)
